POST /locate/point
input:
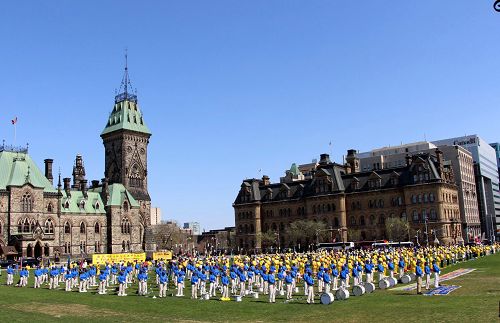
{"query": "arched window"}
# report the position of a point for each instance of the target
(372, 219)
(123, 245)
(82, 228)
(251, 228)
(125, 226)
(128, 245)
(352, 220)
(27, 203)
(125, 206)
(97, 228)
(433, 215)
(414, 199)
(49, 226)
(334, 207)
(431, 197)
(404, 217)
(26, 226)
(335, 222)
(415, 216)
(362, 220)
(49, 207)
(381, 219)
(20, 226)
(66, 205)
(67, 228)
(274, 227)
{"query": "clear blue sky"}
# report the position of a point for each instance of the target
(231, 87)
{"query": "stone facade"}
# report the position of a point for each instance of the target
(422, 192)
(108, 216)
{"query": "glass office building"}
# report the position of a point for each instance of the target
(487, 181)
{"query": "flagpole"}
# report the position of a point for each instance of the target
(15, 132)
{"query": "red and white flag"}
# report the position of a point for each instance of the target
(14, 121)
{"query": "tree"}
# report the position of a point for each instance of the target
(168, 234)
(353, 235)
(303, 230)
(397, 229)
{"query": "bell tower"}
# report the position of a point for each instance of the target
(126, 138)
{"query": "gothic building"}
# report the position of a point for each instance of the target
(75, 218)
(421, 192)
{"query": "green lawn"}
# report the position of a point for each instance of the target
(477, 300)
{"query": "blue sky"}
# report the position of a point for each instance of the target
(231, 87)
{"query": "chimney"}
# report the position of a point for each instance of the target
(408, 160)
(324, 159)
(352, 160)
(83, 187)
(265, 180)
(48, 170)
(67, 185)
(95, 183)
(105, 190)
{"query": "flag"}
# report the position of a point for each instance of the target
(14, 121)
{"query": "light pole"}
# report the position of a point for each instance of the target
(426, 232)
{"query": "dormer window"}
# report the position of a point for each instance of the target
(97, 206)
(66, 205)
(82, 205)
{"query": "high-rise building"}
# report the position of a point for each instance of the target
(155, 215)
(194, 227)
(487, 182)
(463, 168)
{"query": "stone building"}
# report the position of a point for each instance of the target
(463, 168)
(422, 192)
(75, 218)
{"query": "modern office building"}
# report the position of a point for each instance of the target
(463, 168)
(487, 182)
(194, 227)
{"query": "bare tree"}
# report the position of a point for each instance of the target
(167, 235)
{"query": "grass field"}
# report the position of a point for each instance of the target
(477, 300)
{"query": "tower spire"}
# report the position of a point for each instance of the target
(124, 93)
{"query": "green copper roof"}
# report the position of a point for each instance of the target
(294, 170)
(117, 195)
(77, 203)
(17, 169)
(126, 115)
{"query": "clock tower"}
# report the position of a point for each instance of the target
(126, 138)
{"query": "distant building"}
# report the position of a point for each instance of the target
(463, 168)
(218, 240)
(487, 182)
(155, 215)
(194, 227)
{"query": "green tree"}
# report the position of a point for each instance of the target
(397, 229)
(353, 235)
